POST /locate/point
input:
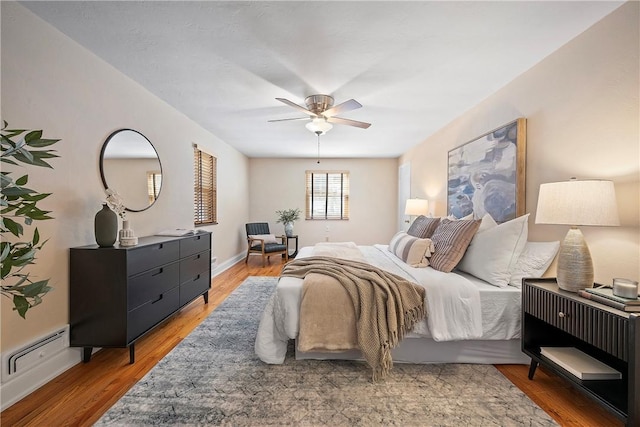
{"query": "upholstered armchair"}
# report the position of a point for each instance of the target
(261, 241)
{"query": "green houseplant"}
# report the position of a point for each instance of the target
(18, 206)
(288, 217)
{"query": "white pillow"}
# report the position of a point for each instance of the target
(494, 251)
(534, 261)
(268, 238)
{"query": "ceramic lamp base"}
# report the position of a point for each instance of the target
(575, 267)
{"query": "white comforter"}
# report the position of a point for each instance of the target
(452, 301)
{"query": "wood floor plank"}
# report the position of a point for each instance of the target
(80, 396)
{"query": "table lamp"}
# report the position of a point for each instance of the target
(415, 207)
(576, 203)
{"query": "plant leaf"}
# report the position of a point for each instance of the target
(15, 228)
(22, 180)
(36, 237)
(21, 304)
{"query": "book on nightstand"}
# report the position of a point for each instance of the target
(597, 295)
(580, 364)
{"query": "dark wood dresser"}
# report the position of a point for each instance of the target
(118, 294)
(552, 317)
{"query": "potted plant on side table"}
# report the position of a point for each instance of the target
(288, 217)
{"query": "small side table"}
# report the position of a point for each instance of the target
(552, 317)
(286, 239)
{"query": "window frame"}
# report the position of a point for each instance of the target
(327, 197)
(205, 206)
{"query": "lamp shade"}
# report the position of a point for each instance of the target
(416, 207)
(319, 124)
(577, 203)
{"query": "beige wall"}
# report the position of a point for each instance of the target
(49, 82)
(278, 184)
(581, 105)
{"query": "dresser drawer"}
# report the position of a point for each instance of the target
(148, 315)
(148, 286)
(150, 256)
(195, 244)
(194, 288)
(599, 328)
(194, 265)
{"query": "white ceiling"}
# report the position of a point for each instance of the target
(414, 66)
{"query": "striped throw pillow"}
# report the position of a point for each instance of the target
(451, 240)
(412, 250)
(423, 227)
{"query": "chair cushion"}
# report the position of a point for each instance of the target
(270, 247)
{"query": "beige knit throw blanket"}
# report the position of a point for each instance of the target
(385, 306)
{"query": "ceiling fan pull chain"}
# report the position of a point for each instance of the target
(318, 133)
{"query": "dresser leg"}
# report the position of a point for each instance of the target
(532, 368)
(86, 354)
(206, 297)
(132, 353)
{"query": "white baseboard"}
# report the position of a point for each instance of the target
(227, 264)
(21, 386)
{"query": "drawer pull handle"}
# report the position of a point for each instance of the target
(197, 278)
(562, 315)
(159, 298)
(158, 273)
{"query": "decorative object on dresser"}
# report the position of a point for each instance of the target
(415, 207)
(487, 174)
(554, 318)
(126, 235)
(576, 203)
(105, 227)
(118, 294)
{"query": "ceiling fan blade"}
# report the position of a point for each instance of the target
(349, 105)
(296, 106)
(294, 118)
(349, 122)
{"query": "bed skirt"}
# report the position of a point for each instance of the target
(426, 350)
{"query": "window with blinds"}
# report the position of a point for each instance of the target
(154, 181)
(204, 188)
(327, 195)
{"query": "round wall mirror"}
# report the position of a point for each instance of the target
(129, 165)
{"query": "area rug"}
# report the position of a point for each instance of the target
(214, 378)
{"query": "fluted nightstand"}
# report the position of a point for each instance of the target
(552, 317)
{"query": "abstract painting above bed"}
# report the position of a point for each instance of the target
(487, 174)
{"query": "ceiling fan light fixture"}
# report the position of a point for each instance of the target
(319, 124)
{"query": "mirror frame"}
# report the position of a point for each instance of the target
(102, 174)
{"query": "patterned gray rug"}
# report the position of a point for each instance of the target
(213, 378)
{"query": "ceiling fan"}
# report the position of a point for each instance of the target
(322, 113)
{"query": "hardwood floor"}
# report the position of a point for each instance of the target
(82, 394)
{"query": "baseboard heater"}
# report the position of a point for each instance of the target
(23, 359)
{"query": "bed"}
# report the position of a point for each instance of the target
(469, 319)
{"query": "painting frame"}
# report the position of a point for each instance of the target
(487, 174)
